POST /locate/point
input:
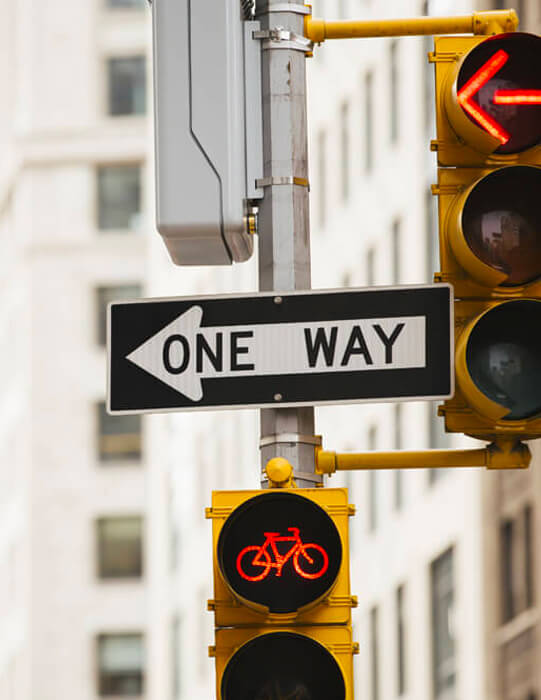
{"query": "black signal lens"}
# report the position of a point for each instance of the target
(499, 89)
(283, 665)
(503, 356)
(501, 222)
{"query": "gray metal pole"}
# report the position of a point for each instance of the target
(284, 226)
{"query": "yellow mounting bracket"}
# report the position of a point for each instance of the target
(501, 454)
(280, 473)
(483, 23)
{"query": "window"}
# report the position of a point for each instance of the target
(400, 642)
(374, 654)
(105, 295)
(395, 250)
(119, 437)
(129, 4)
(175, 658)
(368, 123)
(443, 638)
(120, 547)
(398, 474)
(322, 177)
(345, 149)
(120, 665)
(393, 84)
(127, 86)
(516, 557)
(119, 196)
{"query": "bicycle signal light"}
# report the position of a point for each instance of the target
(266, 561)
(282, 602)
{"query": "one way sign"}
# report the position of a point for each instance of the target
(293, 349)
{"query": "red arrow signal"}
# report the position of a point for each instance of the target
(487, 71)
(517, 97)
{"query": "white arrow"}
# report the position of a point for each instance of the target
(183, 353)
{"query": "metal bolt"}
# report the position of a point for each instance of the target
(278, 300)
(278, 397)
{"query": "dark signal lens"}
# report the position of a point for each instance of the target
(501, 222)
(503, 356)
(499, 88)
(280, 666)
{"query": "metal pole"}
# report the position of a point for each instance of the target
(284, 233)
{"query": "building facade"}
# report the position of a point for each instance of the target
(73, 554)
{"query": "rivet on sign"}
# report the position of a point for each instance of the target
(278, 300)
(278, 397)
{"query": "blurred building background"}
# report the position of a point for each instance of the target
(104, 550)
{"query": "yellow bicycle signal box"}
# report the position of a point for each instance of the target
(281, 557)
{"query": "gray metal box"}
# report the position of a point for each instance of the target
(207, 109)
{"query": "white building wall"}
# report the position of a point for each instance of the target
(54, 131)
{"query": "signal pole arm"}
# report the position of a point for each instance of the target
(284, 227)
(498, 21)
(501, 454)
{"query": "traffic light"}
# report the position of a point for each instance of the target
(488, 117)
(282, 600)
(208, 129)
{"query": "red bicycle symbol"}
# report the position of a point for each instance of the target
(306, 557)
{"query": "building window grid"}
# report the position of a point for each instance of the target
(374, 654)
(121, 665)
(127, 86)
(119, 196)
(120, 547)
(443, 641)
(104, 296)
(400, 641)
(516, 561)
(119, 436)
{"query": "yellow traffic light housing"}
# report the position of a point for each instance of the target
(488, 115)
(314, 662)
(282, 601)
(487, 99)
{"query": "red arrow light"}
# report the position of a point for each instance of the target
(517, 97)
(487, 71)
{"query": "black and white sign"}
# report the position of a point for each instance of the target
(337, 346)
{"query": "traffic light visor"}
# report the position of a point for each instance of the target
(279, 551)
(498, 237)
(494, 103)
(502, 355)
(282, 665)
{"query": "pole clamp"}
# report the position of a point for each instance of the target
(285, 7)
(282, 180)
(280, 38)
(314, 478)
(290, 437)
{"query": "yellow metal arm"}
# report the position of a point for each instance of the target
(504, 454)
(496, 22)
